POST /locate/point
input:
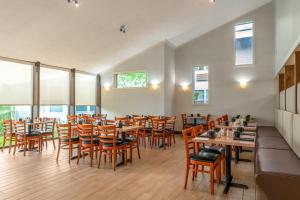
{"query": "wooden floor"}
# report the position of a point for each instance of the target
(158, 175)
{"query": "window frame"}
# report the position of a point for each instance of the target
(193, 86)
(253, 41)
(115, 74)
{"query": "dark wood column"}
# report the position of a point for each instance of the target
(36, 90)
(72, 92)
(98, 95)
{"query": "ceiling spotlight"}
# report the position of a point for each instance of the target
(76, 2)
(212, 1)
(123, 28)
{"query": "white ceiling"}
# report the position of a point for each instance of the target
(88, 38)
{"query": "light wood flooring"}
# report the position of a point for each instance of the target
(158, 175)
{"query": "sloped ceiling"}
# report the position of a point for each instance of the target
(88, 38)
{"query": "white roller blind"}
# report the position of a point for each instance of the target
(54, 86)
(15, 83)
(85, 89)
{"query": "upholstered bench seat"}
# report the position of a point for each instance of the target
(278, 173)
(268, 131)
(272, 143)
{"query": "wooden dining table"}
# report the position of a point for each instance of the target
(228, 142)
(195, 118)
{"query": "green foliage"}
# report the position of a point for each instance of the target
(131, 80)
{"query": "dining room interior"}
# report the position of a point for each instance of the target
(140, 100)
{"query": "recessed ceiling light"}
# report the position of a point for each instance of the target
(76, 2)
(212, 1)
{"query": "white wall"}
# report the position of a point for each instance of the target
(287, 29)
(169, 74)
(158, 62)
(216, 50)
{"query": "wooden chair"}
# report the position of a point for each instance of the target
(110, 145)
(141, 121)
(23, 138)
(159, 132)
(185, 123)
(170, 127)
(211, 125)
(110, 122)
(66, 140)
(8, 133)
(205, 159)
(83, 118)
(198, 131)
(88, 141)
(90, 120)
(72, 119)
(225, 118)
(124, 120)
(132, 140)
(48, 131)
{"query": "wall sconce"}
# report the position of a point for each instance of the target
(106, 87)
(185, 87)
(243, 84)
(154, 86)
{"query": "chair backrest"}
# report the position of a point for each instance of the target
(188, 143)
(85, 132)
(7, 127)
(184, 119)
(107, 134)
(72, 119)
(225, 118)
(171, 121)
(211, 124)
(124, 120)
(136, 116)
(158, 124)
(219, 120)
(90, 120)
(49, 124)
(20, 128)
(197, 130)
(64, 131)
(140, 121)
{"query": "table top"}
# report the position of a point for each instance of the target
(246, 128)
(225, 140)
(129, 128)
(196, 117)
(35, 123)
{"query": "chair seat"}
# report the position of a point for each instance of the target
(95, 141)
(130, 139)
(215, 149)
(74, 139)
(204, 156)
(33, 134)
(118, 143)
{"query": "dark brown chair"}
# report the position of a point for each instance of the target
(66, 139)
(202, 158)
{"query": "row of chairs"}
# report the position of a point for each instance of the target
(17, 133)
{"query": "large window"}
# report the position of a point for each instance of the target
(86, 110)
(85, 89)
(59, 112)
(54, 86)
(131, 80)
(201, 85)
(15, 83)
(244, 43)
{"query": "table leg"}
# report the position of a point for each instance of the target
(195, 121)
(122, 162)
(228, 177)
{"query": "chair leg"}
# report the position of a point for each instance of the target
(100, 157)
(212, 179)
(218, 173)
(53, 141)
(193, 172)
(58, 151)
(79, 152)
(4, 141)
(138, 150)
(174, 138)
(186, 175)
(70, 152)
(114, 159)
(144, 138)
(15, 147)
(10, 143)
(25, 147)
(125, 157)
(223, 165)
(92, 155)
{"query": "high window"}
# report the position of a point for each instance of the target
(244, 43)
(131, 80)
(200, 85)
(87, 110)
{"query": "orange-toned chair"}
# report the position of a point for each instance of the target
(203, 159)
(185, 123)
(8, 133)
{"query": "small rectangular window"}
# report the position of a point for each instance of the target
(131, 80)
(200, 86)
(244, 45)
